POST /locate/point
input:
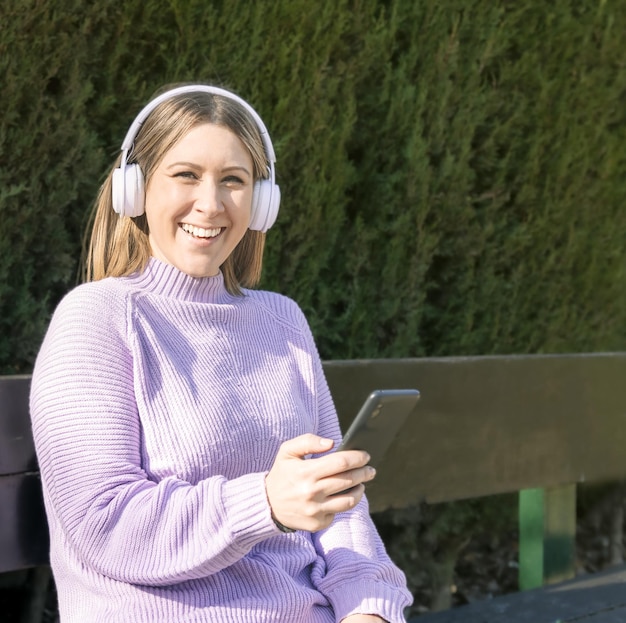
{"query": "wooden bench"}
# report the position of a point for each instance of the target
(536, 425)
(23, 529)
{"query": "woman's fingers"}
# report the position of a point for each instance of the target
(302, 446)
(306, 494)
(336, 463)
(341, 483)
(339, 503)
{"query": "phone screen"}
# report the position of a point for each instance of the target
(379, 421)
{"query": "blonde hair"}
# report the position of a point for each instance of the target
(118, 247)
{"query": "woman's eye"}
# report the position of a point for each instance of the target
(233, 179)
(189, 175)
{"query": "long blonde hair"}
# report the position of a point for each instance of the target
(118, 246)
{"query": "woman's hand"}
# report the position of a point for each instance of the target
(363, 618)
(306, 494)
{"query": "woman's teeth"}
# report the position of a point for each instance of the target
(200, 232)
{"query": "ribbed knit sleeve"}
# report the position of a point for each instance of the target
(110, 514)
(358, 577)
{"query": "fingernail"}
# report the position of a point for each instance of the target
(326, 443)
(372, 471)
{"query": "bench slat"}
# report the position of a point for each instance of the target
(488, 425)
(24, 538)
(17, 451)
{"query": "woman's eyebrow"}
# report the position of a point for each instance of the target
(193, 165)
(182, 163)
(236, 167)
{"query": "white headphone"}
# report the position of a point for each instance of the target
(128, 193)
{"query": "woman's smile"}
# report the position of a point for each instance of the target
(201, 232)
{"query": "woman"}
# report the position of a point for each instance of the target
(182, 421)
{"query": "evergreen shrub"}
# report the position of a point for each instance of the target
(451, 172)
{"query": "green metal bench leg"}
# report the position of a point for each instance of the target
(547, 523)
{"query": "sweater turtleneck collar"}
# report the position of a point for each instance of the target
(167, 280)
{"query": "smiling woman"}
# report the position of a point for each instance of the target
(120, 247)
(182, 421)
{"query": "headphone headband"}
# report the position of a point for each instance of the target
(198, 88)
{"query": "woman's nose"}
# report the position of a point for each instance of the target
(209, 199)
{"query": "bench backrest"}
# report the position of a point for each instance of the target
(488, 425)
(484, 425)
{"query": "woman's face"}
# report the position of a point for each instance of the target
(198, 200)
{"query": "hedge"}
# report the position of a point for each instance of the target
(452, 172)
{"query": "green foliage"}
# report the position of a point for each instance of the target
(426, 541)
(47, 157)
(452, 173)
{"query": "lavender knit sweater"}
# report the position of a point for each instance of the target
(158, 404)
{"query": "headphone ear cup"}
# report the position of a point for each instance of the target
(127, 191)
(265, 203)
(117, 191)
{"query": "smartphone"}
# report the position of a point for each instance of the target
(378, 422)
